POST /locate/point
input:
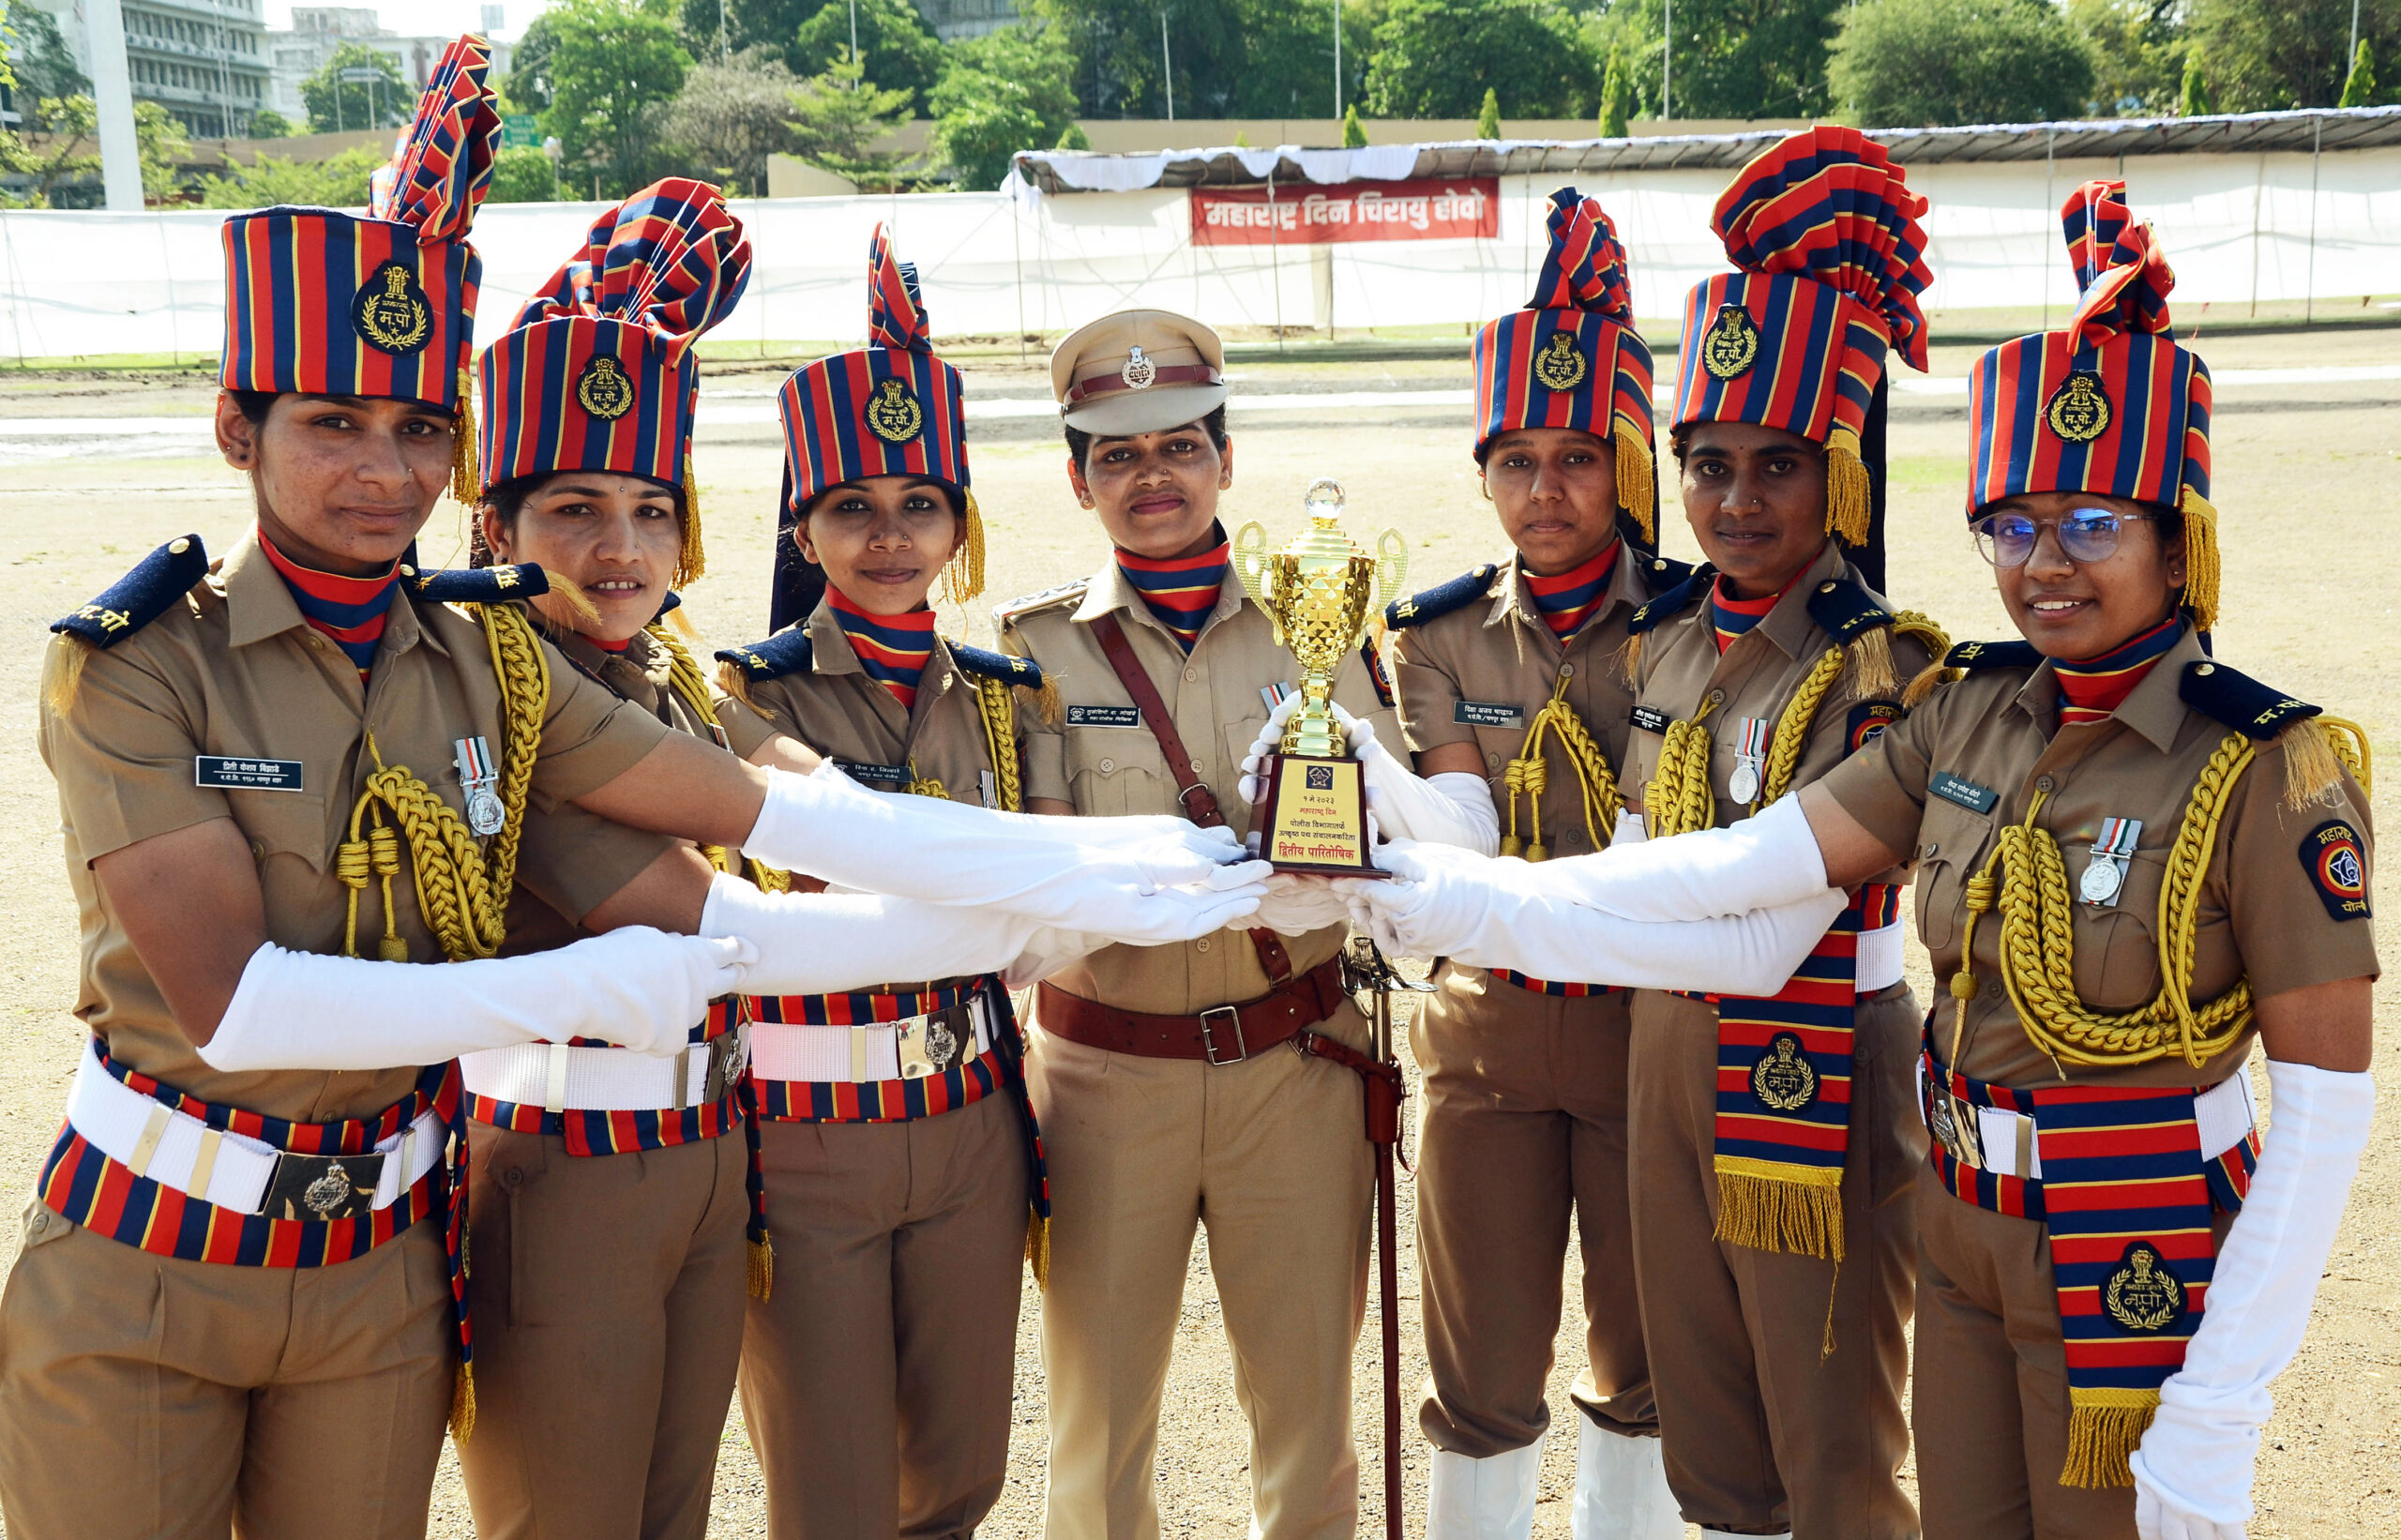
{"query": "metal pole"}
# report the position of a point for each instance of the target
(2258, 196)
(112, 95)
(2051, 143)
(1668, 66)
(2351, 52)
(1167, 63)
(1338, 61)
(2309, 282)
(854, 37)
(1275, 259)
(1017, 249)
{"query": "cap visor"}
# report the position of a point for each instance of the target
(1123, 411)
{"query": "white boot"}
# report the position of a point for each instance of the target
(1622, 1488)
(1492, 1499)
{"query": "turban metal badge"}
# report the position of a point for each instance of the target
(892, 413)
(1560, 366)
(390, 312)
(602, 389)
(1731, 345)
(2080, 408)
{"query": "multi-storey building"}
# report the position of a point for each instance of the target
(318, 31)
(206, 61)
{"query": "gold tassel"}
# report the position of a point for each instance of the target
(734, 680)
(63, 675)
(2200, 558)
(1873, 671)
(466, 476)
(690, 562)
(762, 1267)
(962, 576)
(571, 593)
(1778, 1212)
(1932, 678)
(2311, 770)
(1047, 703)
(1847, 494)
(1037, 1245)
(2105, 1425)
(462, 1404)
(1638, 479)
(1629, 660)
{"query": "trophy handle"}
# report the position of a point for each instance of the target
(1250, 563)
(1392, 566)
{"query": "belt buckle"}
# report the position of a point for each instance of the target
(936, 1042)
(322, 1188)
(728, 1052)
(1214, 1018)
(1183, 796)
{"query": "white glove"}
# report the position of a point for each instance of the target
(1452, 809)
(1294, 906)
(1049, 950)
(1761, 862)
(636, 986)
(2193, 1470)
(1447, 902)
(827, 825)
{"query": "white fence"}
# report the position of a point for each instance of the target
(2238, 228)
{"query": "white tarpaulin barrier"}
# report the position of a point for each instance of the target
(2239, 228)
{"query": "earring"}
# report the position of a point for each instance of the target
(1085, 499)
(1485, 487)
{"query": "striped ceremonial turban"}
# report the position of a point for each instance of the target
(2110, 403)
(597, 372)
(1824, 231)
(326, 303)
(1571, 358)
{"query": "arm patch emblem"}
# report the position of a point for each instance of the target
(1868, 720)
(2332, 856)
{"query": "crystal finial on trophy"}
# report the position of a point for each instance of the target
(1322, 592)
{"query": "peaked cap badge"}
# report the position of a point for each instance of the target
(2080, 408)
(1731, 345)
(390, 312)
(1140, 372)
(1561, 365)
(602, 389)
(892, 413)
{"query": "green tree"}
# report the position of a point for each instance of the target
(1354, 135)
(614, 67)
(1440, 59)
(1118, 71)
(39, 58)
(2193, 100)
(1287, 59)
(1617, 92)
(1487, 116)
(1734, 58)
(718, 31)
(524, 175)
(337, 182)
(1002, 93)
(66, 171)
(334, 103)
(1074, 138)
(2138, 51)
(730, 117)
(266, 123)
(1942, 62)
(837, 119)
(526, 87)
(2271, 54)
(900, 51)
(2359, 89)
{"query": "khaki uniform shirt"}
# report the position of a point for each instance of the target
(1991, 736)
(232, 669)
(1103, 761)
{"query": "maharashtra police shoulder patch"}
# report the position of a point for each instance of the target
(2337, 865)
(1868, 720)
(602, 389)
(390, 313)
(892, 413)
(2080, 408)
(1731, 345)
(141, 596)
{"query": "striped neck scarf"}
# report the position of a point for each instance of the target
(2091, 689)
(892, 648)
(1731, 617)
(350, 610)
(607, 646)
(1574, 596)
(1181, 590)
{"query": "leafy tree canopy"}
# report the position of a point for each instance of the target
(730, 117)
(522, 175)
(614, 66)
(526, 87)
(39, 58)
(2139, 53)
(334, 103)
(339, 182)
(896, 47)
(837, 119)
(266, 123)
(1436, 58)
(2267, 54)
(1941, 63)
(1002, 93)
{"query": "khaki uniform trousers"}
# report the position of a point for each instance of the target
(876, 1375)
(606, 1294)
(146, 1397)
(1524, 1119)
(1271, 1155)
(1763, 1429)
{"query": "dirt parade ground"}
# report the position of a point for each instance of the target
(2308, 480)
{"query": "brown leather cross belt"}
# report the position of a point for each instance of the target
(1223, 1035)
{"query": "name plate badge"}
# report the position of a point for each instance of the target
(1103, 717)
(1489, 713)
(880, 775)
(1651, 719)
(1966, 792)
(237, 773)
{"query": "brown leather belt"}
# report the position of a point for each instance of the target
(1223, 1035)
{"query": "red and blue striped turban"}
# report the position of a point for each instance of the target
(1825, 232)
(1571, 358)
(597, 372)
(2109, 404)
(329, 304)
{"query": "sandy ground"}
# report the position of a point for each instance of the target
(2308, 476)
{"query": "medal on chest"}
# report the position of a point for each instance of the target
(1750, 759)
(480, 783)
(2107, 875)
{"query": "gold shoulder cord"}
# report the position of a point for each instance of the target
(996, 705)
(684, 676)
(1529, 775)
(2026, 880)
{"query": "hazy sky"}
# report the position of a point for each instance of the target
(424, 18)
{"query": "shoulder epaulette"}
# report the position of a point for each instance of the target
(789, 651)
(1975, 656)
(1661, 573)
(1440, 600)
(477, 584)
(1843, 608)
(1041, 598)
(675, 601)
(1670, 602)
(141, 596)
(1006, 667)
(2242, 702)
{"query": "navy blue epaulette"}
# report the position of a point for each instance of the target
(2240, 701)
(1005, 666)
(1975, 656)
(1843, 608)
(1437, 602)
(1661, 573)
(477, 584)
(141, 596)
(789, 651)
(1667, 603)
(675, 601)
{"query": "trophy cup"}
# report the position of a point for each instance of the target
(1321, 593)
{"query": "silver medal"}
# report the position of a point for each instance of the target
(485, 815)
(2102, 878)
(1744, 785)
(479, 785)
(2107, 875)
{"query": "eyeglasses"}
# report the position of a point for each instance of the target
(2085, 534)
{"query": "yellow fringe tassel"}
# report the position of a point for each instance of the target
(1629, 660)
(1933, 678)
(1047, 703)
(64, 672)
(1037, 1247)
(690, 561)
(2311, 769)
(571, 595)
(2350, 743)
(2200, 558)
(1847, 497)
(762, 1267)
(2104, 1427)
(1873, 671)
(466, 473)
(1638, 479)
(962, 576)
(1781, 1211)
(462, 1404)
(735, 681)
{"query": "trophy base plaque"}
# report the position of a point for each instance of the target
(1311, 817)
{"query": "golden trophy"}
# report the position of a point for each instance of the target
(1321, 593)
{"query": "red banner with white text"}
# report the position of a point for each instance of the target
(1431, 209)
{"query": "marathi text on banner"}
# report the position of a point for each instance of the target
(1308, 214)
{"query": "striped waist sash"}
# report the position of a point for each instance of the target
(1552, 987)
(2127, 1180)
(604, 1099)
